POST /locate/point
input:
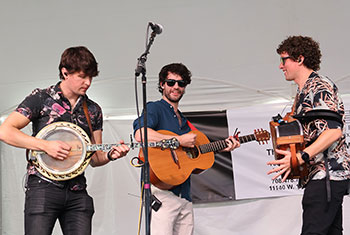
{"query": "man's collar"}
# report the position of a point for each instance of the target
(313, 74)
(166, 102)
(56, 92)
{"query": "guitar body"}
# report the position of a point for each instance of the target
(168, 170)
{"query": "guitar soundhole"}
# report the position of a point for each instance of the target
(191, 152)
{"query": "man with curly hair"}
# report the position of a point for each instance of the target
(325, 153)
(175, 216)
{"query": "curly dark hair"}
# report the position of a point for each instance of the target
(296, 46)
(176, 68)
(78, 59)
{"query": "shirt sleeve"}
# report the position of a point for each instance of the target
(152, 117)
(30, 107)
(326, 99)
(97, 117)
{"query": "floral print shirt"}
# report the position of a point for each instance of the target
(320, 92)
(45, 106)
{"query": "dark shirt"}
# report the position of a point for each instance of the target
(45, 106)
(161, 116)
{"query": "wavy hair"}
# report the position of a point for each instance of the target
(78, 59)
(296, 46)
(176, 68)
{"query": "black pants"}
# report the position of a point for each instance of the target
(46, 202)
(320, 217)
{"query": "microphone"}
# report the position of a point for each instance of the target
(157, 28)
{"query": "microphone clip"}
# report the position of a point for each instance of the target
(157, 28)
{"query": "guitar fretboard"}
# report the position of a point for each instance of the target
(246, 138)
(221, 144)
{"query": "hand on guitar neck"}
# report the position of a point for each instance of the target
(232, 143)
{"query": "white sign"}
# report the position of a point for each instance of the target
(249, 161)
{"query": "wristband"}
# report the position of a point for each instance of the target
(305, 156)
(109, 156)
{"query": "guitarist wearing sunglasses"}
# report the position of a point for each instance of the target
(175, 216)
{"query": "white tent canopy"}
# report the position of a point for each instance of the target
(230, 47)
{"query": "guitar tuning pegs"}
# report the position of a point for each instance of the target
(261, 135)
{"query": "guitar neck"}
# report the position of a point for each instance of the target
(246, 138)
(221, 144)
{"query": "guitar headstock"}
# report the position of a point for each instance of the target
(262, 136)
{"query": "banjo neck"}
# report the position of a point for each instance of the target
(163, 144)
(107, 147)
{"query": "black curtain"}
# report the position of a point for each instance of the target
(215, 184)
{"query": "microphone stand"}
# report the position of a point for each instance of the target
(141, 69)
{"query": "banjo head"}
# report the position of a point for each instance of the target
(77, 160)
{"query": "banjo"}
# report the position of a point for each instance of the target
(81, 150)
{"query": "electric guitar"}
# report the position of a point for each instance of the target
(171, 167)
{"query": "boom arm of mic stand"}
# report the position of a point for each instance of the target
(141, 64)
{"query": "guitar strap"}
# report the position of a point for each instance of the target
(319, 114)
(86, 112)
(191, 125)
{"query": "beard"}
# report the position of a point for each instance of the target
(174, 100)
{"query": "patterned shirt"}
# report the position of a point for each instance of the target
(45, 106)
(320, 92)
(161, 116)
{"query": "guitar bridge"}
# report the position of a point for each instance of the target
(175, 158)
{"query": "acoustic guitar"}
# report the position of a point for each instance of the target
(171, 167)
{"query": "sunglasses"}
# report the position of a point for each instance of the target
(283, 59)
(171, 82)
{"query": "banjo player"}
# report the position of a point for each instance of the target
(67, 200)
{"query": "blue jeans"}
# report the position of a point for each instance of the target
(46, 202)
(319, 216)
